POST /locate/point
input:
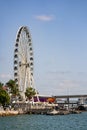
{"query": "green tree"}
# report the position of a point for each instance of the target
(1, 84)
(11, 84)
(30, 92)
(4, 97)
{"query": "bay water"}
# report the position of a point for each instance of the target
(44, 122)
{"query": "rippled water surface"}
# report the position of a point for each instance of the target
(44, 122)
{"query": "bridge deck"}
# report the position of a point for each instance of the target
(70, 96)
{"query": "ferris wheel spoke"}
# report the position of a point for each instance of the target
(22, 49)
(21, 56)
(22, 52)
(25, 48)
(22, 77)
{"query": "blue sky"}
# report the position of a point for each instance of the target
(59, 35)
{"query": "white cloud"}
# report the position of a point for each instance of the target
(64, 82)
(5, 76)
(44, 17)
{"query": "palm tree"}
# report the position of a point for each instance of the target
(4, 96)
(11, 84)
(30, 92)
(1, 84)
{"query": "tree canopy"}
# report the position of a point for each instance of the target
(11, 84)
(1, 84)
(4, 97)
(30, 92)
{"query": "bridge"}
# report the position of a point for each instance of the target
(71, 96)
(67, 97)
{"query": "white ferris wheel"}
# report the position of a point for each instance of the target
(23, 60)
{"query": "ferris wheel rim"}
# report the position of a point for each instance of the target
(23, 61)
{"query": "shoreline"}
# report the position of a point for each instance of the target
(18, 112)
(10, 113)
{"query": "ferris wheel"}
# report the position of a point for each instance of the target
(23, 60)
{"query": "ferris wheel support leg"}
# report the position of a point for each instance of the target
(35, 89)
(22, 95)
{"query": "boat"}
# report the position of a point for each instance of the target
(53, 112)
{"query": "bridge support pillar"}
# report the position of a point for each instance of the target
(68, 102)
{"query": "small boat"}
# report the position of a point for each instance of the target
(53, 112)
